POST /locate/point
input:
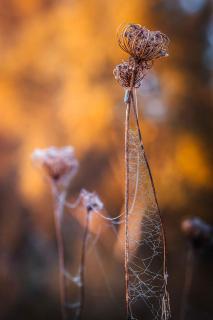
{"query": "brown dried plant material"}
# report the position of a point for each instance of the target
(141, 43)
(123, 73)
(143, 46)
(59, 164)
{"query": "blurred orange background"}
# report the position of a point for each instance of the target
(57, 88)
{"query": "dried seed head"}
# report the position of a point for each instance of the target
(141, 43)
(59, 164)
(129, 74)
(91, 201)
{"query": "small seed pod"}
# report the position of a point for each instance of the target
(141, 43)
(59, 164)
(129, 74)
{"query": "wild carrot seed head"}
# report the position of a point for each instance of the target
(141, 43)
(143, 46)
(123, 73)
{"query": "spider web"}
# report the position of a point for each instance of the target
(146, 266)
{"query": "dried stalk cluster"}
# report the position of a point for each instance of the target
(143, 46)
(60, 166)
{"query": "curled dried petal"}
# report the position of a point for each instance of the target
(142, 43)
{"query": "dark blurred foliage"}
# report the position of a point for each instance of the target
(57, 88)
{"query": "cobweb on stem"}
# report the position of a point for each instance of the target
(146, 266)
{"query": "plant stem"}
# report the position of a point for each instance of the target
(58, 213)
(83, 264)
(126, 253)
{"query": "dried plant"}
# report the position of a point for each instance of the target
(144, 47)
(141, 43)
(91, 203)
(60, 166)
(123, 73)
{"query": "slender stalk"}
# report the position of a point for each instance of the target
(127, 209)
(83, 265)
(127, 100)
(155, 197)
(58, 213)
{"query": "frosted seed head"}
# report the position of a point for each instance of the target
(91, 201)
(59, 164)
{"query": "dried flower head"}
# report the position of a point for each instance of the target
(129, 74)
(59, 164)
(91, 201)
(141, 43)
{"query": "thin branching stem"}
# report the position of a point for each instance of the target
(83, 265)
